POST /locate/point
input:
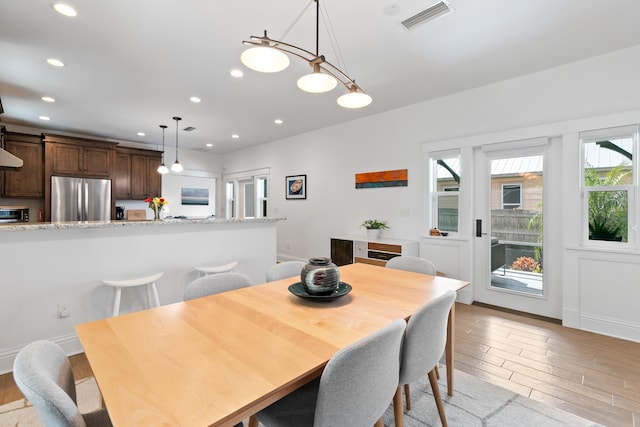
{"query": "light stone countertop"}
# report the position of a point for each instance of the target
(119, 224)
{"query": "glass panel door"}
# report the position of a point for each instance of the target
(508, 247)
(516, 262)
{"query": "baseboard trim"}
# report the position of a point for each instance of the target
(519, 313)
(69, 343)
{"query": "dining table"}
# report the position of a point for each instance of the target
(216, 360)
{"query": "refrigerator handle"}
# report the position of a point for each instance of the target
(85, 194)
(79, 212)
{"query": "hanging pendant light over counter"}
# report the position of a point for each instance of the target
(177, 167)
(163, 169)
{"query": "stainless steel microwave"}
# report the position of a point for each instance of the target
(14, 214)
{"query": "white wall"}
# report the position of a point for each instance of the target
(597, 92)
(44, 268)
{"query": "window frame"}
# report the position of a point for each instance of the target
(235, 205)
(446, 191)
(631, 189)
(511, 184)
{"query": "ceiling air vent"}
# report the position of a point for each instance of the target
(189, 129)
(439, 9)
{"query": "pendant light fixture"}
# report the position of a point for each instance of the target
(177, 167)
(162, 169)
(269, 55)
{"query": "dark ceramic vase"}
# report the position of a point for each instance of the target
(320, 276)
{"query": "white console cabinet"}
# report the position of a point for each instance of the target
(348, 249)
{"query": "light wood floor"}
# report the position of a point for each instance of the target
(590, 375)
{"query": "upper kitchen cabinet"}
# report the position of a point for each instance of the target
(136, 174)
(79, 157)
(27, 181)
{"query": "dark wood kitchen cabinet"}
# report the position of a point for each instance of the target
(136, 174)
(27, 181)
(77, 157)
(70, 156)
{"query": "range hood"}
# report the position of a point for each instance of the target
(8, 160)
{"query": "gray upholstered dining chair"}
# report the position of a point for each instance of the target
(285, 269)
(43, 373)
(215, 284)
(412, 263)
(424, 342)
(353, 390)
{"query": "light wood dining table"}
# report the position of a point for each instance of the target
(216, 360)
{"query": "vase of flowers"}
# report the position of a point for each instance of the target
(156, 204)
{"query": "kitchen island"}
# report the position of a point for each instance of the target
(45, 265)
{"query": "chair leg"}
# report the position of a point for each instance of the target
(253, 421)
(437, 372)
(398, 413)
(116, 302)
(407, 396)
(436, 395)
(379, 423)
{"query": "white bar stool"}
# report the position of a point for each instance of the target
(149, 281)
(224, 268)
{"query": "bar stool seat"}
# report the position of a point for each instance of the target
(149, 281)
(213, 269)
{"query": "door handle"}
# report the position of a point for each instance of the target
(479, 232)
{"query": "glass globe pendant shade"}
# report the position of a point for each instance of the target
(176, 167)
(264, 59)
(163, 169)
(317, 82)
(354, 99)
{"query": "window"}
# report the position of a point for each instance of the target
(445, 190)
(511, 196)
(261, 185)
(231, 200)
(246, 194)
(609, 184)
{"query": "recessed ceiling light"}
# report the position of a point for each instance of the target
(48, 99)
(237, 73)
(209, 145)
(141, 134)
(45, 118)
(55, 62)
(195, 99)
(65, 9)
(235, 136)
(278, 121)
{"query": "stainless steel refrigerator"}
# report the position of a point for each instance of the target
(80, 199)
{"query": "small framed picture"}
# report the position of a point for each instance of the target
(296, 187)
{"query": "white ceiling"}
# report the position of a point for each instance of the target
(133, 65)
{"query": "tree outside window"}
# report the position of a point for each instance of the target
(608, 187)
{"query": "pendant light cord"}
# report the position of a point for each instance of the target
(177, 119)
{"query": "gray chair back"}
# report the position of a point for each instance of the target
(282, 270)
(425, 338)
(43, 373)
(412, 263)
(354, 389)
(215, 284)
(360, 380)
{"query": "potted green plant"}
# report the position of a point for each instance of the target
(373, 227)
(607, 209)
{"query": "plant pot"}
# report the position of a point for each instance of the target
(373, 233)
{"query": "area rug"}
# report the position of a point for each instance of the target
(474, 403)
(478, 403)
(21, 414)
